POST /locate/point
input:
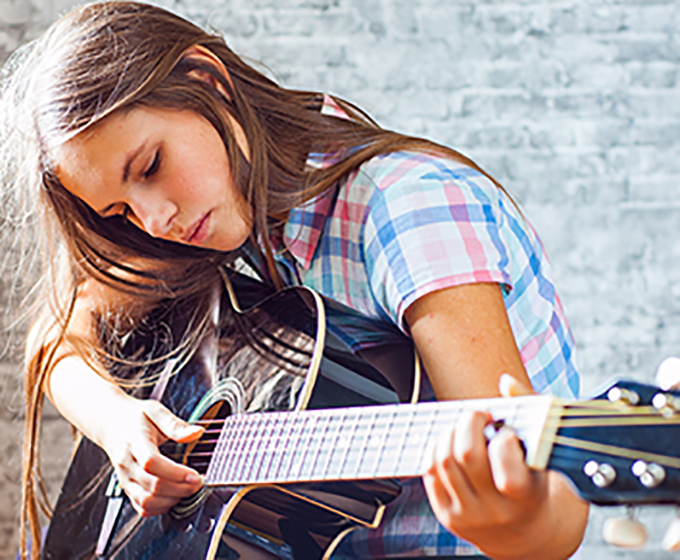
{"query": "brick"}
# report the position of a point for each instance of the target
(582, 18)
(651, 18)
(652, 75)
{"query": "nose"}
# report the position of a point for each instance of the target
(155, 213)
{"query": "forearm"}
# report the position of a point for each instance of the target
(86, 399)
(554, 533)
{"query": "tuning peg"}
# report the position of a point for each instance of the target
(668, 373)
(623, 396)
(625, 532)
(671, 540)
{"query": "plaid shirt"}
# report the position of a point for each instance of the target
(404, 225)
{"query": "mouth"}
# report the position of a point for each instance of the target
(197, 233)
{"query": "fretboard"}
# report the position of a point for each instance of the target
(392, 441)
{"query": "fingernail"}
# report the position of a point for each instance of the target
(192, 478)
(188, 431)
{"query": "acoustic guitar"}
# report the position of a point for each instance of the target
(312, 419)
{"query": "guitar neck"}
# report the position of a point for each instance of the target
(393, 441)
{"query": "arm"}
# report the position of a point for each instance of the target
(485, 493)
(127, 428)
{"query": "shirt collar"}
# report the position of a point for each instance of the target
(305, 223)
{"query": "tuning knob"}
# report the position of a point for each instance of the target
(623, 396)
(650, 474)
(625, 532)
(602, 474)
(666, 404)
(671, 540)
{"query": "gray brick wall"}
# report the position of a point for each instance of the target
(573, 106)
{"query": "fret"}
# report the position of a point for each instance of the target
(302, 447)
(323, 451)
(278, 448)
(375, 442)
(313, 444)
(270, 447)
(218, 459)
(264, 451)
(238, 448)
(284, 449)
(226, 458)
(319, 451)
(350, 429)
(330, 443)
(422, 459)
(364, 446)
(403, 429)
(288, 449)
(385, 458)
(355, 451)
(251, 449)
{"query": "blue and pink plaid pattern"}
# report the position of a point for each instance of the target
(404, 225)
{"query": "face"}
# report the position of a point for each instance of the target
(166, 170)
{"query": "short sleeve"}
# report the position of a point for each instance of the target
(431, 224)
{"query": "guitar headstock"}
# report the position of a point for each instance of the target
(622, 447)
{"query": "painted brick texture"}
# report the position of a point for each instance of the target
(573, 106)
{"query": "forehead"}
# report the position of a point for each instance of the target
(93, 161)
(88, 153)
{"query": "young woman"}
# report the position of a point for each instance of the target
(153, 153)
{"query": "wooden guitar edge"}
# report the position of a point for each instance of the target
(230, 506)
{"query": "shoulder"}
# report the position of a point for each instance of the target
(409, 170)
(414, 180)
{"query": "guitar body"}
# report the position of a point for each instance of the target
(287, 351)
(316, 459)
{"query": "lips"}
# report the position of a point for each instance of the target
(197, 233)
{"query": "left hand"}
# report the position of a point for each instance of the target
(483, 491)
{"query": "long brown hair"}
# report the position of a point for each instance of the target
(112, 56)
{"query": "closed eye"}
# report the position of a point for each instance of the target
(155, 164)
(124, 211)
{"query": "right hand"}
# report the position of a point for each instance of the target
(153, 482)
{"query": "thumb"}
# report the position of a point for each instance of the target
(511, 387)
(171, 426)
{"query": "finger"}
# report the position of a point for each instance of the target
(160, 487)
(469, 450)
(169, 425)
(511, 387)
(146, 455)
(167, 470)
(443, 503)
(144, 502)
(448, 472)
(511, 476)
(148, 505)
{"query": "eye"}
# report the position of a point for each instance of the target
(155, 164)
(123, 211)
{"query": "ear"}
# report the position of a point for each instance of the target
(205, 55)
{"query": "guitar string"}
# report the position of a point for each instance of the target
(613, 451)
(622, 413)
